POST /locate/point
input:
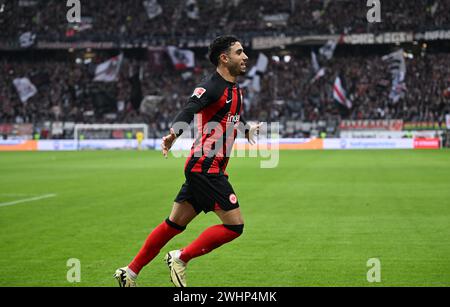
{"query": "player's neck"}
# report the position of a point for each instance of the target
(225, 73)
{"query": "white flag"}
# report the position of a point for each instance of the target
(397, 68)
(396, 62)
(340, 94)
(398, 88)
(262, 63)
(24, 88)
(318, 75)
(181, 58)
(109, 71)
(434, 8)
(192, 10)
(253, 78)
(314, 62)
(152, 8)
(328, 49)
(150, 103)
(27, 39)
(318, 71)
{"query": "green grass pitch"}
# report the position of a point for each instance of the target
(315, 220)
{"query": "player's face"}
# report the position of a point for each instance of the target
(237, 60)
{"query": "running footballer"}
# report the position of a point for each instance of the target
(218, 101)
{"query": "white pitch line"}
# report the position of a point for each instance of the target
(16, 195)
(11, 203)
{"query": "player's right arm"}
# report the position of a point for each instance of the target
(200, 99)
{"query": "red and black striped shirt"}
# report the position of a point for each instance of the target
(219, 104)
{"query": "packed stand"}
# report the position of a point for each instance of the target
(138, 20)
(66, 91)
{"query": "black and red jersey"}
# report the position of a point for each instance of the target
(219, 104)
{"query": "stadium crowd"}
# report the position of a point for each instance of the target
(66, 91)
(141, 20)
(368, 84)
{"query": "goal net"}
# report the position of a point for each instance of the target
(110, 136)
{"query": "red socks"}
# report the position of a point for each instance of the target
(211, 238)
(155, 241)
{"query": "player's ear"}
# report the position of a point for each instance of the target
(224, 58)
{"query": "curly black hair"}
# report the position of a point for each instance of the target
(220, 45)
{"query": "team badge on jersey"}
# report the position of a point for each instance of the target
(198, 92)
(233, 199)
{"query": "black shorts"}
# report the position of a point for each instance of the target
(208, 192)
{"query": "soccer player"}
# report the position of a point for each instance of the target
(219, 102)
(139, 138)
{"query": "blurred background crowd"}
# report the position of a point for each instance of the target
(288, 91)
(178, 18)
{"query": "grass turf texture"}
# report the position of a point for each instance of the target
(315, 220)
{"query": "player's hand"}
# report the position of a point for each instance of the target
(167, 142)
(253, 133)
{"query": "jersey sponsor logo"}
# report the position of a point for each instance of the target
(198, 92)
(233, 118)
(233, 199)
(228, 101)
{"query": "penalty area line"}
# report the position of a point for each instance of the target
(20, 201)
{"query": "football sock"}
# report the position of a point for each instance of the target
(210, 239)
(153, 244)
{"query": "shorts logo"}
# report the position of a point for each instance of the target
(233, 199)
(198, 92)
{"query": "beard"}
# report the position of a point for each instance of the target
(236, 70)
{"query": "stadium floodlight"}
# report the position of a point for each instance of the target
(107, 132)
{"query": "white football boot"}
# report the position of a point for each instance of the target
(123, 278)
(177, 268)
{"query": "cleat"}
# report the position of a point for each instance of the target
(177, 269)
(124, 280)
